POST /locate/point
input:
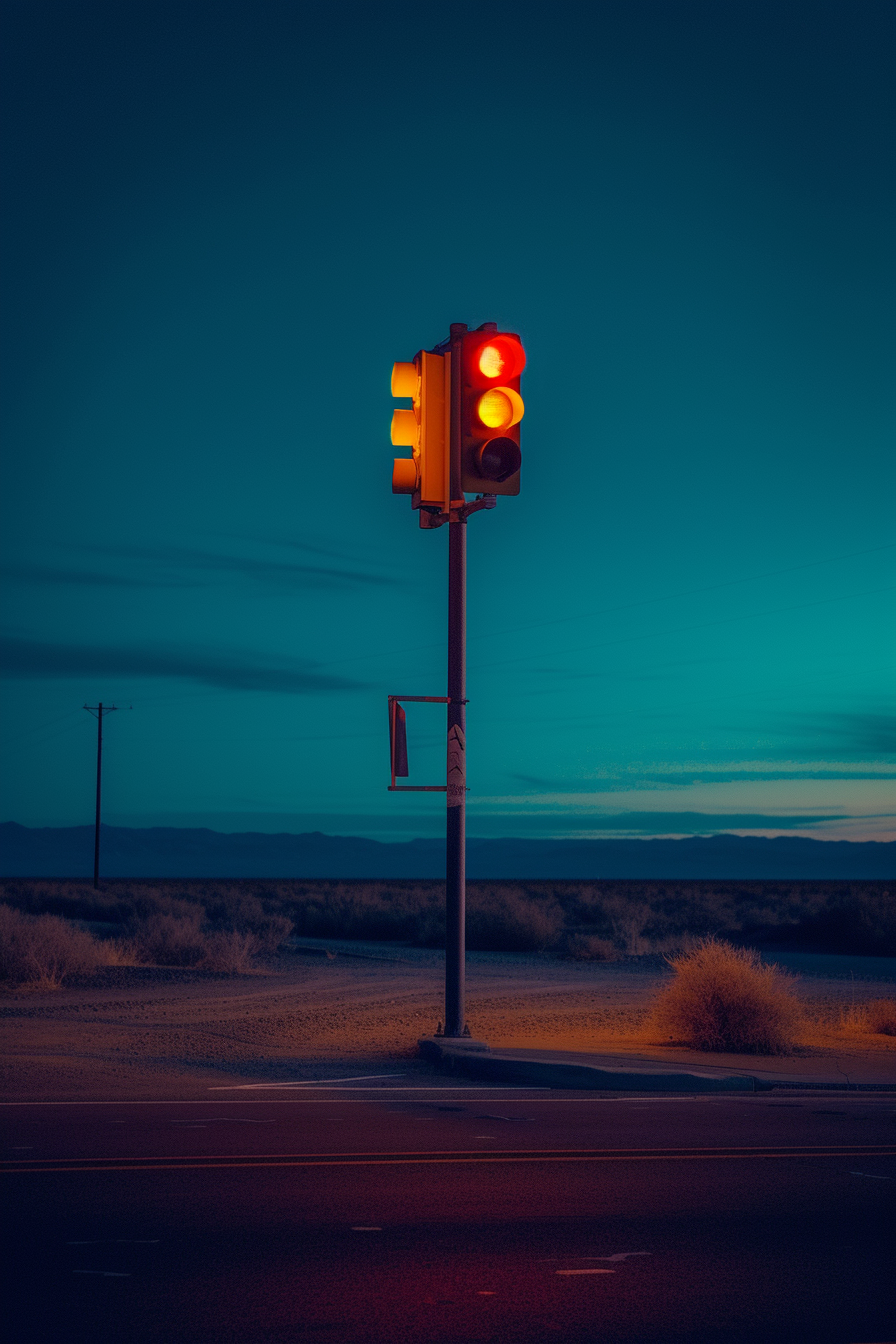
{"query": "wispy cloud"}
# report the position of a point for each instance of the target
(56, 574)
(278, 572)
(166, 566)
(226, 670)
(684, 774)
(846, 735)
(668, 823)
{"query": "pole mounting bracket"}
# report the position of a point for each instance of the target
(398, 742)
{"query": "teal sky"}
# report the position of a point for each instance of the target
(225, 221)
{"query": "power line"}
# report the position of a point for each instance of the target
(50, 723)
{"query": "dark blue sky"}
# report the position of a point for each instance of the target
(225, 221)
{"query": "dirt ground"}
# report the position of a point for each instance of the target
(320, 1012)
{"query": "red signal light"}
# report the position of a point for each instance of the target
(503, 357)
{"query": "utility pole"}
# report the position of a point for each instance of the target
(455, 837)
(98, 711)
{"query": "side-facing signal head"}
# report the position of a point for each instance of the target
(422, 427)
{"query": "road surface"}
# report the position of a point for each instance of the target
(400, 1210)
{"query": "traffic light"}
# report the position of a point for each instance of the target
(491, 411)
(424, 428)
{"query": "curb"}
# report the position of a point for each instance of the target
(476, 1060)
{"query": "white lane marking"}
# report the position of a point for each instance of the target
(516, 1119)
(23, 1148)
(485, 1136)
(869, 1175)
(223, 1119)
(620, 1255)
(103, 1273)
(367, 1229)
(584, 1271)
(306, 1082)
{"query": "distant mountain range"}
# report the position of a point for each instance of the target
(170, 851)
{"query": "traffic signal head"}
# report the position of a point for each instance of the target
(424, 428)
(491, 411)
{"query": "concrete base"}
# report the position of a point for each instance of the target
(433, 1047)
(524, 1069)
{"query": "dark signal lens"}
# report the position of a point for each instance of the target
(498, 460)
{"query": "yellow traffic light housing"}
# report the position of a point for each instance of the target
(424, 428)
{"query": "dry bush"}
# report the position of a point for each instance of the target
(117, 951)
(639, 916)
(853, 1020)
(724, 998)
(573, 946)
(377, 911)
(629, 925)
(234, 911)
(229, 952)
(170, 940)
(510, 921)
(880, 1016)
(44, 950)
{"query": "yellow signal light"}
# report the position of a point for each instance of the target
(500, 407)
(404, 380)
(404, 429)
(404, 475)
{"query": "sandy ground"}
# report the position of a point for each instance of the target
(142, 1033)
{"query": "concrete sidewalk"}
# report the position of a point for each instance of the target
(653, 1073)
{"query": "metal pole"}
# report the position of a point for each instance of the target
(99, 773)
(455, 874)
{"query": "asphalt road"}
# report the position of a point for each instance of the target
(426, 1212)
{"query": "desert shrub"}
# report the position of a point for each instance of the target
(269, 931)
(573, 946)
(405, 913)
(724, 998)
(880, 1016)
(510, 921)
(44, 949)
(229, 952)
(234, 911)
(119, 952)
(861, 922)
(170, 940)
(629, 923)
(637, 915)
